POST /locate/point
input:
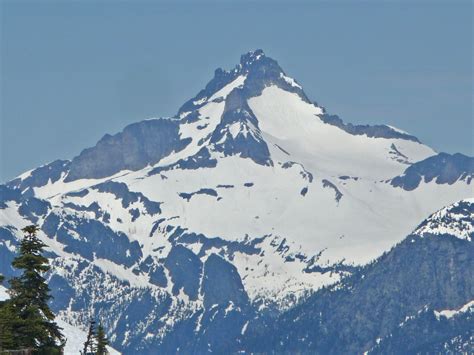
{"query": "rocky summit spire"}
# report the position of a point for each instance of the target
(251, 57)
(259, 70)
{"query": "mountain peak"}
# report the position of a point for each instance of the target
(251, 57)
(258, 70)
(248, 61)
(257, 64)
(221, 118)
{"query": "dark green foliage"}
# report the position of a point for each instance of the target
(428, 333)
(102, 341)
(7, 317)
(96, 341)
(89, 346)
(32, 325)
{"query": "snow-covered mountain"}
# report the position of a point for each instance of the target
(250, 198)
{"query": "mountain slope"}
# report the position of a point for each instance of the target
(449, 331)
(390, 306)
(244, 203)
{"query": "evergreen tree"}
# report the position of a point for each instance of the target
(102, 341)
(89, 346)
(6, 331)
(8, 318)
(33, 326)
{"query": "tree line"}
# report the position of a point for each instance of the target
(27, 323)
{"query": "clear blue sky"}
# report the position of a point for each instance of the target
(72, 71)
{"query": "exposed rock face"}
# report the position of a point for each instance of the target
(222, 283)
(138, 145)
(381, 131)
(185, 270)
(443, 168)
(238, 131)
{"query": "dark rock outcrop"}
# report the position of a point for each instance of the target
(443, 168)
(221, 283)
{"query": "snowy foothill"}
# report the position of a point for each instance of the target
(456, 220)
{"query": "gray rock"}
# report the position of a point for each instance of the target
(443, 168)
(221, 283)
(138, 145)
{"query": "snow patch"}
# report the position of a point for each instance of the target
(3, 293)
(236, 83)
(450, 313)
(290, 81)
